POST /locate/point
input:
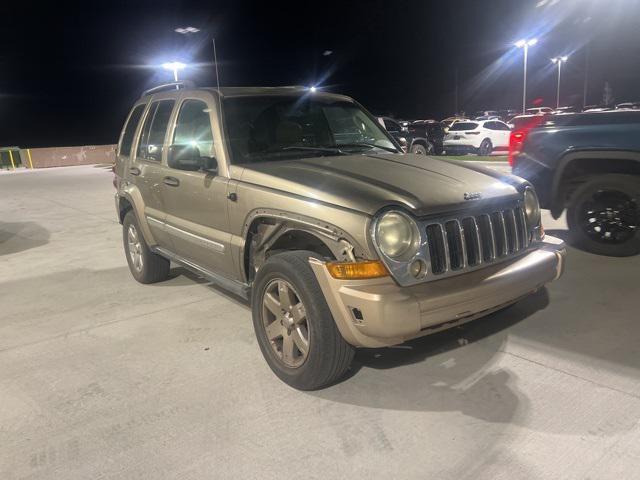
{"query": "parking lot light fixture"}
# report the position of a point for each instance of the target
(313, 89)
(186, 30)
(559, 61)
(525, 44)
(174, 67)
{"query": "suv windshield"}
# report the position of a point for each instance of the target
(266, 128)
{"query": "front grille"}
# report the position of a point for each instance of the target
(469, 241)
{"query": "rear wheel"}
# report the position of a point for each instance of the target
(603, 215)
(293, 324)
(145, 266)
(486, 147)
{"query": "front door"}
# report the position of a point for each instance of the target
(196, 201)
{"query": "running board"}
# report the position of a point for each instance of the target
(238, 288)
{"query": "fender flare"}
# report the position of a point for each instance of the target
(567, 158)
(133, 196)
(280, 222)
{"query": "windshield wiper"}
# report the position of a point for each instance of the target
(368, 145)
(324, 149)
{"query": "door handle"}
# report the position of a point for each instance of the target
(171, 181)
(134, 171)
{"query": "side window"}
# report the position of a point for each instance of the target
(193, 127)
(502, 126)
(490, 125)
(130, 130)
(154, 130)
(391, 126)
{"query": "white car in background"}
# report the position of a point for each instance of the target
(480, 137)
(539, 110)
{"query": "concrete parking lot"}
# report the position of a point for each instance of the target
(101, 377)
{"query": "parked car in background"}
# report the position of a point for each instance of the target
(416, 137)
(487, 117)
(429, 133)
(569, 109)
(506, 115)
(589, 165)
(481, 137)
(486, 113)
(628, 106)
(596, 108)
(538, 110)
(520, 121)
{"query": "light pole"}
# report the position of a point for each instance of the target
(187, 32)
(524, 43)
(175, 67)
(559, 61)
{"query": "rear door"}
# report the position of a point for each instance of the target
(196, 201)
(146, 170)
(502, 133)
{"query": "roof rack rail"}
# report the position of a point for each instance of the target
(169, 86)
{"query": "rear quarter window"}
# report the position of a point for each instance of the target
(130, 130)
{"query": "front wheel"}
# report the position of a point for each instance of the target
(293, 324)
(603, 215)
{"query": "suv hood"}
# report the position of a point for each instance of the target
(366, 183)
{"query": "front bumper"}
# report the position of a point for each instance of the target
(377, 313)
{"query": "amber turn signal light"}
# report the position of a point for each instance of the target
(357, 270)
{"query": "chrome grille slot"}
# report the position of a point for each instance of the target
(521, 226)
(486, 238)
(510, 230)
(499, 233)
(454, 242)
(436, 244)
(472, 242)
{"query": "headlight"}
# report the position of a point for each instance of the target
(531, 207)
(397, 236)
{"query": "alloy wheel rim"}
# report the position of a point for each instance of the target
(610, 217)
(135, 248)
(285, 322)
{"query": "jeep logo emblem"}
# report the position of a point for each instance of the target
(472, 195)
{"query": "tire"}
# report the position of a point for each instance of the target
(145, 266)
(486, 147)
(430, 149)
(418, 149)
(328, 355)
(603, 215)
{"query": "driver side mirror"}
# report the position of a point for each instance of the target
(187, 157)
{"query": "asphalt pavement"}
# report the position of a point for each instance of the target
(101, 377)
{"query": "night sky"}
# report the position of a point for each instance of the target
(69, 72)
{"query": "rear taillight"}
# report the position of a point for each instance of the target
(516, 139)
